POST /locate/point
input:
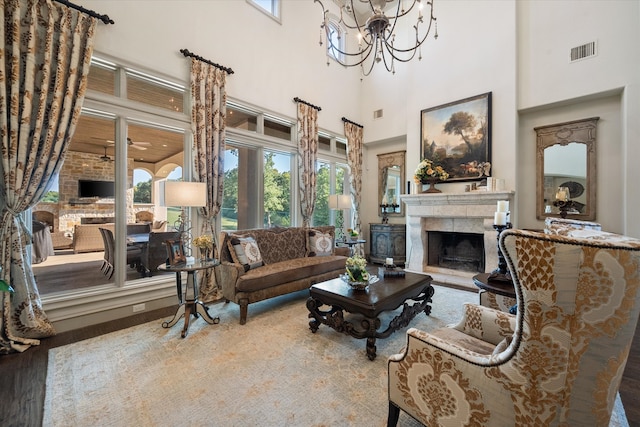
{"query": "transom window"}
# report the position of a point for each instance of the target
(270, 7)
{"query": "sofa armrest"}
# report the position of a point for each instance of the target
(227, 274)
(486, 324)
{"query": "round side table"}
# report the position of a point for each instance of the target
(189, 304)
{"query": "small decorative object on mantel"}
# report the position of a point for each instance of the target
(205, 244)
(428, 172)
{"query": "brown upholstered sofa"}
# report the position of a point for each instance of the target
(285, 260)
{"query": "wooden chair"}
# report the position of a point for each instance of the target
(134, 254)
(558, 361)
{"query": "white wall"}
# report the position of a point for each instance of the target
(552, 90)
(609, 157)
(515, 49)
(272, 63)
(474, 54)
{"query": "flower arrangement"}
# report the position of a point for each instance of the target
(204, 241)
(351, 232)
(356, 269)
(427, 169)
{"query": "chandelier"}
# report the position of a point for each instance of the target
(375, 32)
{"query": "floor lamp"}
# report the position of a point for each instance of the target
(340, 202)
(184, 195)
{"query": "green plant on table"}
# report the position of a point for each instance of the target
(357, 269)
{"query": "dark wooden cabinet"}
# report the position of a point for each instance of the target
(388, 241)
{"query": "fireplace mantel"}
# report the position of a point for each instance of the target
(469, 212)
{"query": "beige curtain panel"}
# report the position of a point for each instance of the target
(354, 135)
(208, 121)
(308, 153)
(44, 65)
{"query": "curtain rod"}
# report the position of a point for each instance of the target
(296, 99)
(344, 119)
(103, 18)
(186, 52)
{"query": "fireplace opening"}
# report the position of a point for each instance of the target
(456, 251)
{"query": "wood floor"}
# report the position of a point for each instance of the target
(23, 376)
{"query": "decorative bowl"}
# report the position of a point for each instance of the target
(359, 286)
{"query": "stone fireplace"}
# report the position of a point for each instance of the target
(470, 213)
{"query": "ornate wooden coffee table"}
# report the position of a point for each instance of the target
(385, 295)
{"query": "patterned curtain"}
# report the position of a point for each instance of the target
(307, 152)
(208, 122)
(43, 76)
(354, 160)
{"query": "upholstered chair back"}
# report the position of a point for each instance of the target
(578, 305)
(580, 302)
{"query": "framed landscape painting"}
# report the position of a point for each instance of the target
(457, 136)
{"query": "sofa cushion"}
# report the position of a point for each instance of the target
(245, 251)
(282, 243)
(287, 271)
(319, 243)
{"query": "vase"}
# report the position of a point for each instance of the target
(204, 254)
(432, 186)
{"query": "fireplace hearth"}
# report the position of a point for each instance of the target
(469, 213)
(456, 251)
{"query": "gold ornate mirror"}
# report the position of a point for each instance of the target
(566, 158)
(391, 179)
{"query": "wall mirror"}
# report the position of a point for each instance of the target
(391, 181)
(566, 158)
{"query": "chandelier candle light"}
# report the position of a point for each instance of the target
(373, 25)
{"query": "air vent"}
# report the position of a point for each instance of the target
(377, 114)
(584, 51)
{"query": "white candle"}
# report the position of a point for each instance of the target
(384, 200)
(503, 206)
(389, 261)
(500, 218)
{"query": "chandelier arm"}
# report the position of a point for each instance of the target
(377, 37)
(418, 42)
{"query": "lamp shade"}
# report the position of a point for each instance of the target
(179, 193)
(339, 201)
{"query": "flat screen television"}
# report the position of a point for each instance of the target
(102, 189)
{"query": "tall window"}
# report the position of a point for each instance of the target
(277, 189)
(336, 41)
(131, 135)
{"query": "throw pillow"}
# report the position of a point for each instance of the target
(245, 251)
(320, 244)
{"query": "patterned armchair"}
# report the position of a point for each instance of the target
(578, 305)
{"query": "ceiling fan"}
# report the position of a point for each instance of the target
(138, 145)
(106, 158)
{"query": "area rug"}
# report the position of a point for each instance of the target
(273, 371)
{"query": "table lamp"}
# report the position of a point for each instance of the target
(183, 195)
(340, 202)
